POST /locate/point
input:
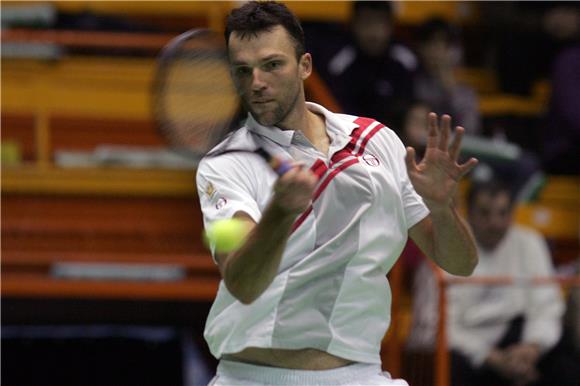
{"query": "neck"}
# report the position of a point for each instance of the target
(297, 119)
(315, 128)
(311, 124)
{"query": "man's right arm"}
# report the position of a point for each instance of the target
(248, 271)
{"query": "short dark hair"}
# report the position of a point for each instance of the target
(258, 16)
(493, 186)
(437, 26)
(377, 6)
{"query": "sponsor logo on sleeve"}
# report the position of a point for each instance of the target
(371, 160)
(210, 190)
(221, 202)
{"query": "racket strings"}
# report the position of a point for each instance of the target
(199, 99)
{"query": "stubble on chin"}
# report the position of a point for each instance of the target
(269, 117)
(276, 115)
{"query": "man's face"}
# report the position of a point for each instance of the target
(490, 217)
(267, 75)
(372, 31)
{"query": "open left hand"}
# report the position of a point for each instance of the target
(435, 178)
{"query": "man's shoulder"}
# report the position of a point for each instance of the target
(525, 232)
(347, 117)
(239, 139)
(403, 55)
(527, 238)
(361, 121)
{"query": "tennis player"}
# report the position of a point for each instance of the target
(305, 300)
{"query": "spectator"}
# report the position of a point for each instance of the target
(525, 37)
(504, 335)
(370, 74)
(499, 335)
(562, 139)
(572, 317)
(436, 83)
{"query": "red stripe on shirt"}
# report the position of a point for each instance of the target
(320, 189)
(362, 123)
(340, 155)
(301, 219)
(319, 168)
(361, 150)
(331, 176)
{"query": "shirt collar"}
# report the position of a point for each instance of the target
(334, 124)
(281, 137)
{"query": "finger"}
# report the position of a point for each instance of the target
(299, 165)
(467, 167)
(456, 143)
(410, 159)
(433, 130)
(444, 132)
(308, 176)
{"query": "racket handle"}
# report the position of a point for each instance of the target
(279, 165)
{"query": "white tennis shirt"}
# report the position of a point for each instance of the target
(330, 292)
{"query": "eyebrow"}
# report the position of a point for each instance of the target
(266, 59)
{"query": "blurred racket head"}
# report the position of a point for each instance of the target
(194, 99)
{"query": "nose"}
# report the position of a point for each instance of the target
(258, 82)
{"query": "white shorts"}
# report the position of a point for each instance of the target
(359, 374)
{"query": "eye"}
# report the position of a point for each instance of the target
(272, 65)
(242, 71)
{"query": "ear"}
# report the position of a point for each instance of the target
(305, 66)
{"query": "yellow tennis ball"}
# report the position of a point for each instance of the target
(227, 235)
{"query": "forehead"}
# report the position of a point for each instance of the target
(248, 48)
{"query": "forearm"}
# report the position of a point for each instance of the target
(454, 247)
(249, 271)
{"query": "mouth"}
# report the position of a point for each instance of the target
(262, 101)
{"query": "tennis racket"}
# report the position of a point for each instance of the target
(195, 103)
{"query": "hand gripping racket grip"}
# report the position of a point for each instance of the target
(277, 164)
(280, 166)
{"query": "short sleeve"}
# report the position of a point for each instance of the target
(224, 188)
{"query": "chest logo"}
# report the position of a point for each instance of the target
(371, 160)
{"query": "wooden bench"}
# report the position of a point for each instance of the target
(115, 217)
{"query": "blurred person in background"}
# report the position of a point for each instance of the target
(572, 317)
(525, 37)
(505, 335)
(435, 82)
(498, 334)
(561, 150)
(369, 73)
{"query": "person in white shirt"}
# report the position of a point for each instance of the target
(505, 335)
(304, 300)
